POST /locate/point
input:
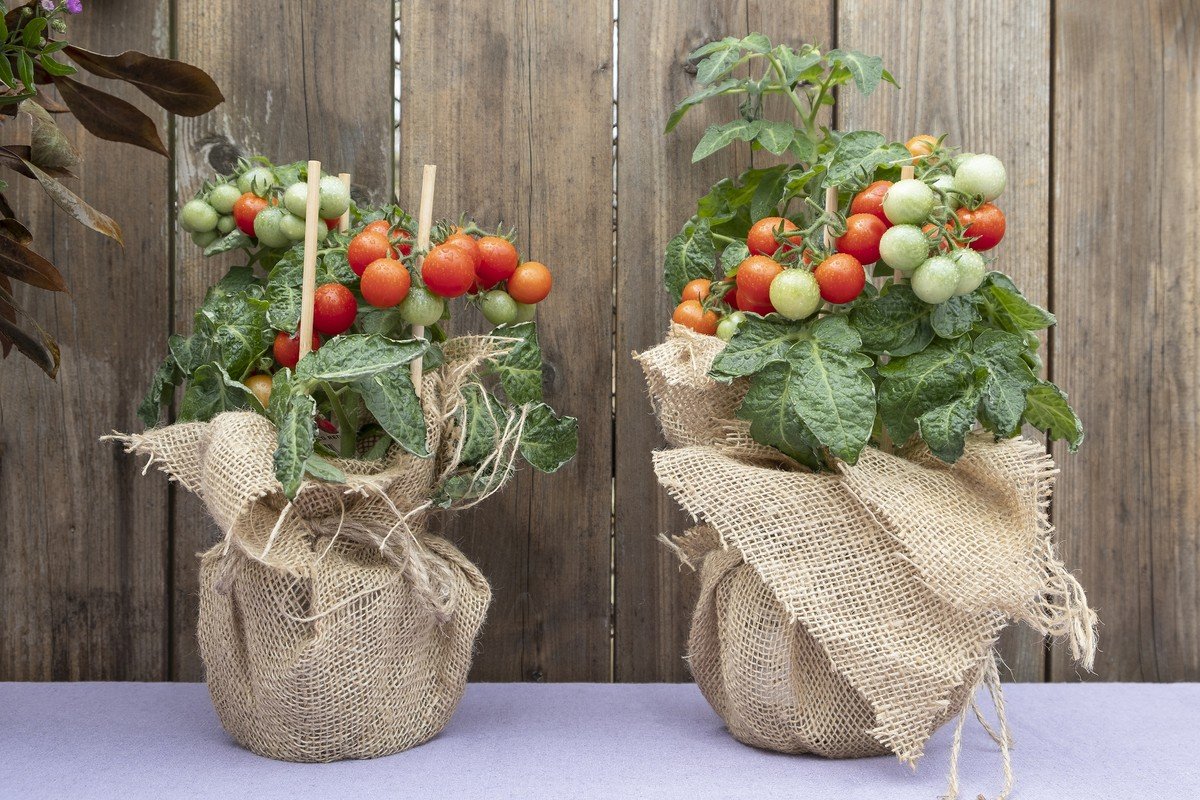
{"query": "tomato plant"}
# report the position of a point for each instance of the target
(935, 345)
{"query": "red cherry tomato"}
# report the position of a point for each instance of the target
(334, 309)
(245, 209)
(731, 298)
(447, 271)
(497, 260)
(385, 283)
(368, 246)
(697, 289)
(754, 276)
(870, 201)
(752, 305)
(693, 315)
(761, 240)
(861, 240)
(841, 278)
(986, 224)
(467, 244)
(287, 348)
(530, 283)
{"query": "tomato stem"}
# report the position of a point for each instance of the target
(347, 439)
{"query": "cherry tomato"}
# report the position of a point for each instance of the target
(861, 240)
(841, 278)
(921, 146)
(986, 224)
(332, 223)
(197, 216)
(498, 307)
(795, 293)
(752, 305)
(447, 271)
(697, 289)
(530, 283)
(260, 384)
(497, 260)
(385, 283)
(468, 245)
(380, 226)
(691, 314)
(761, 240)
(870, 201)
(325, 425)
(287, 348)
(405, 241)
(366, 247)
(246, 209)
(334, 309)
(943, 240)
(730, 297)
(754, 276)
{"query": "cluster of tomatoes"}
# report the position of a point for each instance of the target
(931, 230)
(257, 205)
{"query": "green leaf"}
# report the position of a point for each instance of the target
(718, 64)
(1046, 409)
(767, 193)
(320, 468)
(480, 420)
(1010, 306)
(390, 397)
(282, 383)
(48, 147)
(955, 317)
(890, 321)
(685, 105)
(295, 441)
(334, 268)
(234, 240)
(353, 357)
(775, 137)
(211, 391)
(920, 340)
(520, 369)
(944, 429)
(859, 154)
(689, 255)
(717, 136)
(770, 408)
(758, 342)
(547, 440)
(32, 32)
(912, 385)
(756, 43)
(713, 47)
(56, 68)
(834, 395)
(1008, 379)
(231, 323)
(866, 70)
(835, 333)
(733, 254)
(795, 64)
(162, 389)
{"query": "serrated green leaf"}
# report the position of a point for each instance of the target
(920, 340)
(770, 408)
(914, 384)
(320, 468)
(834, 396)
(390, 397)
(890, 321)
(944, 429)
(295, 441)
(689, 255)
(547, 440)
(1014, 311)
(712, 47)
(520, 369)
(775, 137)
(718, 136)
(866, 70)
(353, 357)
(1008, 379)
(1047, 409)
(335, 268)
(758, 342)
(768, 191)
(733, 254)
(695, 99)
(162, 389)
(717, 65)
(233, 240)
(756, 43)
(211, 391)
(955, 317)
(281, 392)
(480, 420)
(795, 64)
(859, 154)
(835, 333)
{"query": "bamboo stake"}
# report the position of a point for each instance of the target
(424, 227)
(831, 207)
(312, 210)
(344, 222)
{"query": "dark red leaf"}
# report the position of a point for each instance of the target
(63, 197)
(19, 262)
(48, 148)
(178, 87)
(110, 117)
(15, 230)
(40, 349)
(50, 104)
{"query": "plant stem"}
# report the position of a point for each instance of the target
(722, 238)
(346, 434)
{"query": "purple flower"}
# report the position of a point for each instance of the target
(74, 6)
(48, 5)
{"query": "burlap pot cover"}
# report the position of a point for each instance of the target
(851, 614)
(333, 626)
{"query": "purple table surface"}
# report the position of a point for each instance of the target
(560, 741)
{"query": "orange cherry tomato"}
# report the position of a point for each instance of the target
(260, 384)
(841, 278)
(761, 240)
(861, 239)
(447, 271)
(385, 283)
(366, 247)
(530, 283)
(754, 276)
(245, 209)
(692, 314)
(697, 289)
(870, 201)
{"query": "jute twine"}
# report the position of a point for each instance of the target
(853, 614)
(335, 625)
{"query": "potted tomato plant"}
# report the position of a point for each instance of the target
(333, 624)
(871, 517)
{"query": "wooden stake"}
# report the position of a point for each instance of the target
(344, 222)
(312, 211)
(831, 207)
(424, 227)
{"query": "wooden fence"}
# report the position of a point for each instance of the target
(1094, 107)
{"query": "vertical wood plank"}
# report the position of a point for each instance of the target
(302, 80)
(657, 189)
(84, 543)
(988, 88)
(1126, 234)
(515, 108)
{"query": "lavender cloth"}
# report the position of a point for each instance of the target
(562, 741)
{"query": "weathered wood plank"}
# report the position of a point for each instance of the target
(516, 111)
(302, 80)
(987, 87)
(1126, 232)
(657, 189)
(85, 536)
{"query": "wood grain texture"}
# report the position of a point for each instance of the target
(83, 537)
(302, 80)
(1126, 233)
(515, 108)
(657, 189)
(966, 80)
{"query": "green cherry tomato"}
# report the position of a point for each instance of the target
(335, 197)
(981, 176)
(958, 160)
(223, 196)
(971, 269)
(197, 216)
(257, 180)
(908, 202)
(205, 238)
(226, 224)
(291, 226)
(935, 280)
(946, 184)
(498, 307)
(525, 312)
(421, 307)
(267, 228)
(795, 294)
(295, 199)
(904, 247)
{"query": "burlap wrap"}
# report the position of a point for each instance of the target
(851, 614)
(334, 626)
